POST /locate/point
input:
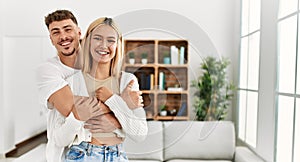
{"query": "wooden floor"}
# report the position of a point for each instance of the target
(28, 145)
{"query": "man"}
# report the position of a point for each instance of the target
(62, 90)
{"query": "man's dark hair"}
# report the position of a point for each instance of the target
(59, 15)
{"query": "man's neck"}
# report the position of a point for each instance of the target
(68, 60)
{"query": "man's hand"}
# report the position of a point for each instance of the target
(86, 108)
(103, 123)
(103, 94)
(132, 98)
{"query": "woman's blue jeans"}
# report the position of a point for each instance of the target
(86, 152)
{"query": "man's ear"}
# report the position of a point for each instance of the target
(51, 39)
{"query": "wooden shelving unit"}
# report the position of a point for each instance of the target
(175, 75)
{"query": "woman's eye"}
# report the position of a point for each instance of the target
(97, 38)
(111, 41)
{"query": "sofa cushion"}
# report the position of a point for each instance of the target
(199, 140)
(151, 148)
(190, 160)
(243, 154)
(145, 161)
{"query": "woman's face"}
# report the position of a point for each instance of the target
(103, 44)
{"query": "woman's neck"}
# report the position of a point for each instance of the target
(100, 71)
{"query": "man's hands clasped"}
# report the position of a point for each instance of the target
(87, 107)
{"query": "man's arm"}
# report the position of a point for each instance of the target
(83, 108)
(63, 101)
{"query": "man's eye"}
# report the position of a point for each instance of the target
(111, 41)
(54, 33)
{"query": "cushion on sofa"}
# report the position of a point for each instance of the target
(151, 148)
(190, 160)
(144, 161)
(243, 154)
(199, 140)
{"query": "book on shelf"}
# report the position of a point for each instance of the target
(181, 55)
(177, 55)
(144, 80)
(182, 110)
(151, 81)
(161, 82)
(174, 55)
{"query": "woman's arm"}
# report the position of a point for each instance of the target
(133, 122)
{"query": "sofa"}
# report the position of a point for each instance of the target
(189, 141)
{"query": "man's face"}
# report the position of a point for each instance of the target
(65, 36)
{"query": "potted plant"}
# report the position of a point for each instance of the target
(163, 110)
(214, 91)
(131, 58)
(167, 59)
(144, 58)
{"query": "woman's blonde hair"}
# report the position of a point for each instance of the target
(117, 61)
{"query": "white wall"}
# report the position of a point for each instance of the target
(2, 121)
(26, 44)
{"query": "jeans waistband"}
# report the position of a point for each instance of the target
(89, 146)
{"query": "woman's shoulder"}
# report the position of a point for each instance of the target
(126, 78)
(127, 75)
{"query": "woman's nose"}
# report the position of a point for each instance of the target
(103, 44)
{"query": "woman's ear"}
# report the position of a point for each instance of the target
(79, 32)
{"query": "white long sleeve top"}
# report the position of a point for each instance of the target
(133, 122)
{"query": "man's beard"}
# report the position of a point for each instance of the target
(69, 54)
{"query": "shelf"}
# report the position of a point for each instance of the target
(171, 118)
(172, 66)
(138, 65)
(172, 92)
(159, 74)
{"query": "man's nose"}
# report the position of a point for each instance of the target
(63, 36)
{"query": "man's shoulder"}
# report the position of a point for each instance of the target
(53, 61)
(49, 66)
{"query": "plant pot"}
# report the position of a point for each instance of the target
(144, 61)
(131, 61)
(163, 113)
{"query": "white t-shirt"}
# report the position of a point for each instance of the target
(61, 131)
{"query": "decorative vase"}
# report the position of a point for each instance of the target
(163, 113)
(167, 60)
(131, 61)
(144, 61)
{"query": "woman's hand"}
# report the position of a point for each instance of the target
(103, 94)
(132, 98)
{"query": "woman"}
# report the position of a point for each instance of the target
(103, 55)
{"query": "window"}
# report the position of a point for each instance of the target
(249, 71)
(288, 86)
